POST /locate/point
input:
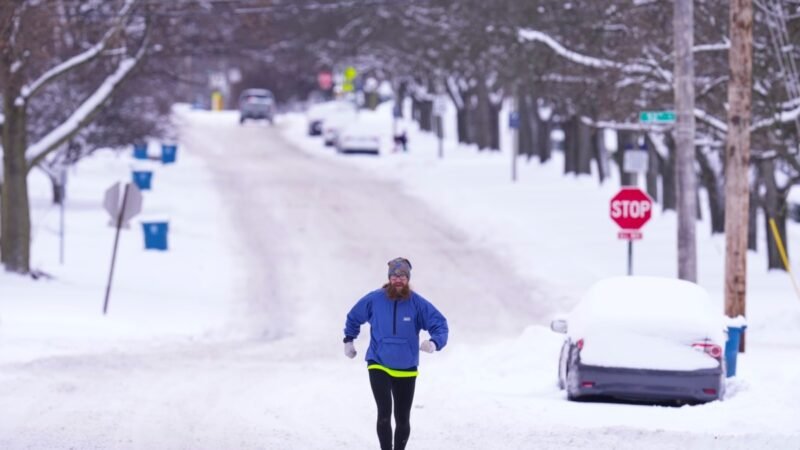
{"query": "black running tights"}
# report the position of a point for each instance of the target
(384, 388)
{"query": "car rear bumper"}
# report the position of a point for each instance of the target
(257, 114)
(702, 385)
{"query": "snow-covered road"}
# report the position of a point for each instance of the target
(311, 236)
(315, 235)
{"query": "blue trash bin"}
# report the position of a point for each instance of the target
(155, 235)
(140, 151)
(732, 349)
(168, 153)
(143, 179)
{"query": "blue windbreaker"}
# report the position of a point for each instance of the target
(395, 326)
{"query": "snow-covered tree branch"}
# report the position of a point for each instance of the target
(83, 114)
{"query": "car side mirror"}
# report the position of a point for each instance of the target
(559, 325)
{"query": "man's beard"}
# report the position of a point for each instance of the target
(397, 293)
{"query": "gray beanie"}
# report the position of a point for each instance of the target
(399, 267)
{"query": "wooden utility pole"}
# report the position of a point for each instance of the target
(737, 157)
(683, 25)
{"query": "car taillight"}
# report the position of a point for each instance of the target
(579, 344)
(713, 350)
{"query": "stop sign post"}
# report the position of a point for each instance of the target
(630, 208)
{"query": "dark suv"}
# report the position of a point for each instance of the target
(256, 104)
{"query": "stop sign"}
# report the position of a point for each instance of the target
(325, 80)
(631, 208)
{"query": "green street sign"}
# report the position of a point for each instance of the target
(657, 117)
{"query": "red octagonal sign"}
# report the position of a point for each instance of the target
(631, 208)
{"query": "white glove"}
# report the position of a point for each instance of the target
(427, 346)
(350, 350)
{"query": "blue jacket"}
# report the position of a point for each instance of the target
(395, 326)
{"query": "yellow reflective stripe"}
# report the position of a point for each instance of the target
(394, 373)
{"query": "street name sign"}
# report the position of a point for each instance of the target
(657, 117)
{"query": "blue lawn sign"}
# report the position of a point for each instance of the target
(155, 235)
(168, 153)
(513, 120)
(140, 151)
(732, 349)
(143, 179)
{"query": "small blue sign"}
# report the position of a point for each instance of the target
(513, 120)
(155, 235)
(168, 153)
(140, 151)
(143, 179)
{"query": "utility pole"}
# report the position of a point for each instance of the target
(737, 157)
(683, 24)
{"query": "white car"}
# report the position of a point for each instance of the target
(334, 123)
(331, 114)
(643, 338)
(365, 134)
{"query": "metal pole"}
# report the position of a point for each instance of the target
(63, 189)
(440, 132)
(630, 257)
(116, 243)
(514, 135)
(683, 25)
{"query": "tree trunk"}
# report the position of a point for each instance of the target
(483, 116)
(494, 126)
(58, 189)
(737, 160)
(772, 206)
(571, 145)
(544, 146)
(716, 198)
(425, 114)
(15, 216)
(527, 128)
(402, 91)
(752, 215)
(600, 154)
(626, 140)
(668, 187)
(461, 125)
(653, 170)
(585, 150)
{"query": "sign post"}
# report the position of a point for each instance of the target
(120, 215)
(630, 208)
(63, 188)
(513, 124)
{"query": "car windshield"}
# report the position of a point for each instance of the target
(257, 99)
(256, 96)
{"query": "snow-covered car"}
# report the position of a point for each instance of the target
(317, 114)
(643, 338)
(363, 135)
(334, 123)
(256, 104)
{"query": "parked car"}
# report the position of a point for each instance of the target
(362, 135)
(335, 122)
(643, 338)
(256, 104)
(317, 114)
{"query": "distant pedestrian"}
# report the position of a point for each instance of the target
(401, 141)
(396, 315)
